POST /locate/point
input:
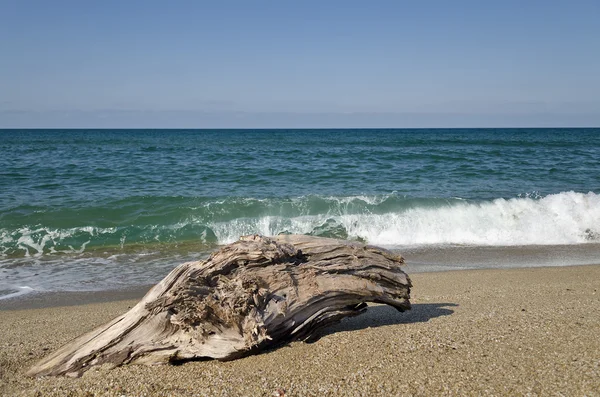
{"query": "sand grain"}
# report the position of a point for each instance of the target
(500, 332)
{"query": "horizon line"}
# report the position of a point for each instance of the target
(296, 128)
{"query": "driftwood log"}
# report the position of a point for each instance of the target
(251, 295)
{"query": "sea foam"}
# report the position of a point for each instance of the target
(564, 218)
(390, 220)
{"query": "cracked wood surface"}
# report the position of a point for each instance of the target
(254, 294)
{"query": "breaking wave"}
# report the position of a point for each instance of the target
(389, 220)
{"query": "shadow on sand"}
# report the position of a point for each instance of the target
(381, 315)
(375, 316)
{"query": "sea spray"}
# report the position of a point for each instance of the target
(390, 220)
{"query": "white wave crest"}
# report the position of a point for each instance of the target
(563, 218)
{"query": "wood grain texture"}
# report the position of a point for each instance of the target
(254, 294)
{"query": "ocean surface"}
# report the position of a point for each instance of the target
(105, 209)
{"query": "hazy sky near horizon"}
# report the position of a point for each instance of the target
(299, 63)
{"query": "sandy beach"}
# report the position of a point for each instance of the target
(482, 332)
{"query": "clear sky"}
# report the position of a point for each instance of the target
(207, 64)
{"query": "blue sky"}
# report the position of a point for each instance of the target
(196, 64)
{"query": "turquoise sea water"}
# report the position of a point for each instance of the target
(98, 209)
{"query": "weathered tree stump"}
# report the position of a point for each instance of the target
(251, 295)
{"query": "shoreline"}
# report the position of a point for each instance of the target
(46, 300)
(489, 331)
(29, 283)
(52, 299)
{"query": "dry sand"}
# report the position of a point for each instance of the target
(484, 332)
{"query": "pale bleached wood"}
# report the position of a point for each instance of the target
(254, 294)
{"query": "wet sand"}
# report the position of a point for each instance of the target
(473, 332)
